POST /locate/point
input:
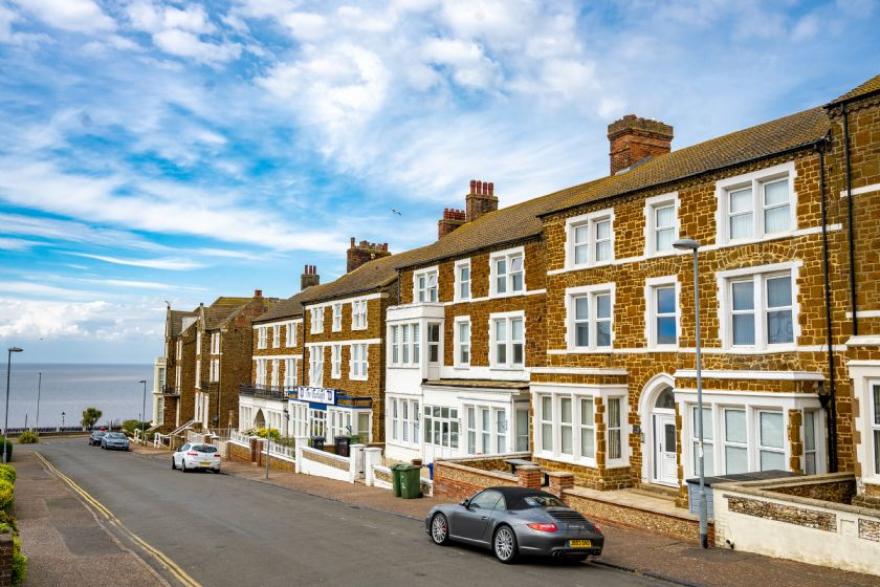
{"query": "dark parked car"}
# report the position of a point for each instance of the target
(114, 441)
(96, 436)
(515, 521)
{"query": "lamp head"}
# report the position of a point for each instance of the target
(686, 244)
(15, 349)
(142, 381)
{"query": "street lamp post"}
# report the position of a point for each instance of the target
(39, 389)
(693, 246)
(62, 421)
(143, 409)
(11, 350)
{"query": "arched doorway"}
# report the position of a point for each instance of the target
(259, 419)
(657, 413)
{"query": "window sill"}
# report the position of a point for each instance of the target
(505, 368)
(664, 347)
(461, 367)
(495, 295)
(588, 265)
(582, 462)
(350, 378)
(358, 329)
(589, 350)
(770, 348)
(404, 367)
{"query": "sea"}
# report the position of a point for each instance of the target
(71, 388)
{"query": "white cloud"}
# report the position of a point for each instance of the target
(167, 264)
(470, 66)
(306, 26)
(17, 244)
(82, 16)
(187, 44)
(179, 31)
(136, 284)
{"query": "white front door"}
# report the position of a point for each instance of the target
(664, 449)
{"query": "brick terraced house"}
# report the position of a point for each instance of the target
(277, 352)
(177, 394)
(344, 357)
(579, 301)
(223, 341)
(468, 329)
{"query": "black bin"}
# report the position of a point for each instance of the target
(342, 444)
(318, 442)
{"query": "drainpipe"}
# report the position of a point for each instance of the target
(830, 404)
(851, 228)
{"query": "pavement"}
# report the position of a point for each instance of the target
(311, 530)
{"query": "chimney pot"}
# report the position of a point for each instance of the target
(258, 293)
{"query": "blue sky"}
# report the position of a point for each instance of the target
(177, 151)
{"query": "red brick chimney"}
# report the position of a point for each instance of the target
(309, 277)
(451, 220)
(480, 200)
(258, 293)
(363, 252)
(635, 139)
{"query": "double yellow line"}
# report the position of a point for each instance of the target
(166, 562)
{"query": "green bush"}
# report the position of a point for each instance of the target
(7, 523)
(7, 495)
(272, 433)
(129, 426)
(8, 444)
(28, 437)
(19, 562)
(7, 472)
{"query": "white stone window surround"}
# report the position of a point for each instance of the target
(422, 295)
(725, 315)
(358, 315)
(316, 320)
(276, 336)
(358, 362)
(753, 403)
(591, 291)
(507, 317)
(577, 392)
(865, 374)
(290, 333)
(506, 254)
(458, 343)
(459, 266)
(335, 361)
(316, 366)
(755, 180)
(652, 204)
(262, 336)
(651, 285)
(590, 219)
(493, 432)
(336, 322)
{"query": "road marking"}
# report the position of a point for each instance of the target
(166, 562)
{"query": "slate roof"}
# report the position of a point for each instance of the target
(523, 220)
(869, 87)
(289, 308)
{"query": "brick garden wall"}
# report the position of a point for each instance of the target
(454, 481)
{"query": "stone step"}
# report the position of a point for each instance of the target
(660, 491)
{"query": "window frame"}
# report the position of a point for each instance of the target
(652, 314)
(359, 361)
(755, 181)
(759, 275)
(431, 420)
(590, 220)
(335, 361)
(461, 265)
(507, 256)
(458, 343)
(359, 315)
(508, 318)
(290, 334)
(434, 346)
(316, 366)
(316, 320)
(874, 429)
(653, 204)
(591, 292)
(421, 295)
(336, 317)
(404, 349)
(262, 337)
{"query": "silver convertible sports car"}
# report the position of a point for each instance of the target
(515, 521)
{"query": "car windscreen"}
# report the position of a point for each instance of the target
(205, 448)
(534, 500)
(115, 435)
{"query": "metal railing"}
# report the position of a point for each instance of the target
(170, 390)
(276, 392)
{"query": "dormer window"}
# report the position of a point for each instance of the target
(507, 269)
(590, 239)
(425, 284)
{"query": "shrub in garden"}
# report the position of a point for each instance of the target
(28, 437)
(19, 562)
(7, 495)
(7, 472)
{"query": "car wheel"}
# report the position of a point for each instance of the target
(504, 545)
(217, 471)
(440, 529)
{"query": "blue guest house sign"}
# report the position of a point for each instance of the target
(320, 395)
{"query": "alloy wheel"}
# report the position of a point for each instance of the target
(439, 529)
(505, 544)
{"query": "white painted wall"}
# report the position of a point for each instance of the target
(842, 549)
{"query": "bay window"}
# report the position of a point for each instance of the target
(736, 448)
(566, 428)
(507, 272)
(441, 426)
(771, 441)
(757, 205)
(434, 343)
(405, 345)
(615, 429)
(811, 441)
(546, 419)
(507, 339)
(708, 445)
(588, 428)
(875, 425)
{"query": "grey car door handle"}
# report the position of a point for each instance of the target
(484, 517)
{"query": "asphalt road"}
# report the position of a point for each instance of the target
(224, 530)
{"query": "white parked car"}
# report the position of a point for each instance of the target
(192, 457)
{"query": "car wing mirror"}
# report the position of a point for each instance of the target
(466, 503)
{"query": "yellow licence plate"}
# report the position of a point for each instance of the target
(208, 464)
(580, 543)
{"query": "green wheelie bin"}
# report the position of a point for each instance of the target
(410, 484)
(395, 479)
